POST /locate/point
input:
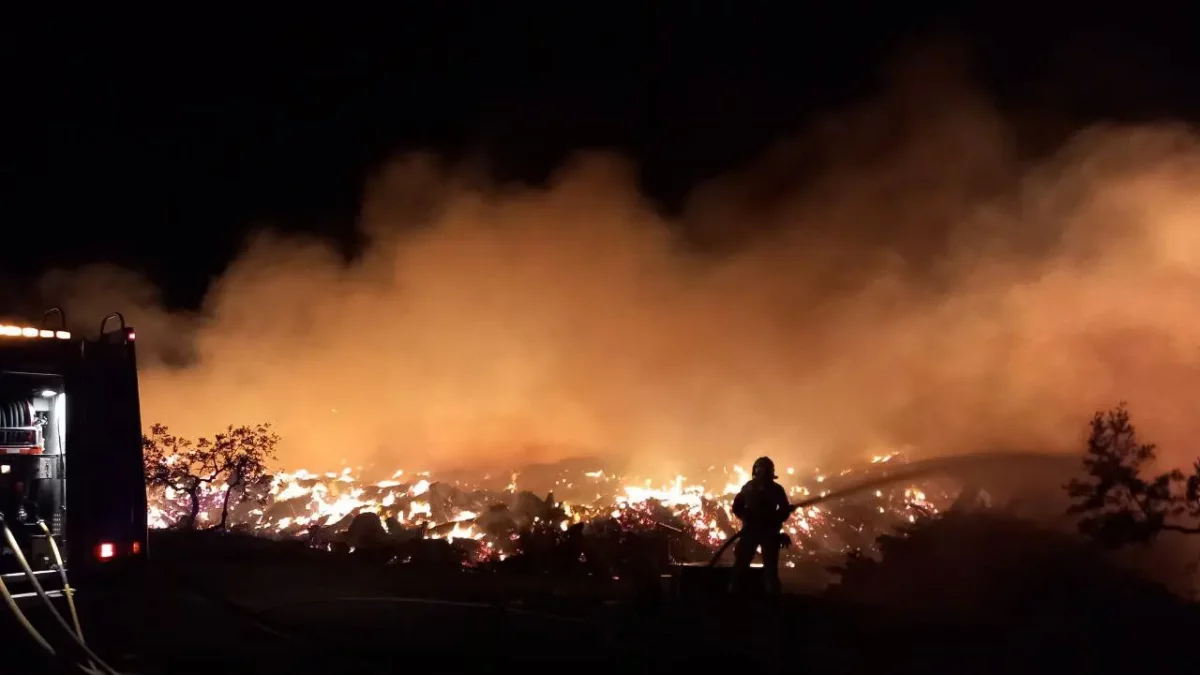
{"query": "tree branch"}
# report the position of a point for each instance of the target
(1121, 505)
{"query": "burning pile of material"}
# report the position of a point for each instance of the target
(339, 512)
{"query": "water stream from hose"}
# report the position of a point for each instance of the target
(949, 466)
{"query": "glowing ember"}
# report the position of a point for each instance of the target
(323, 507)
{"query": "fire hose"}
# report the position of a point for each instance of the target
(737, 535)
(95, 665)
(837, 494)
(68, 592)
(257, 618)
(910, 471)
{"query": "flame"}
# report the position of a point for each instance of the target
(302, 503)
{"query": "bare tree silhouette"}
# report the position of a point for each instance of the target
(233, 461)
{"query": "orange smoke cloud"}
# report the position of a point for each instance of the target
(894, 276)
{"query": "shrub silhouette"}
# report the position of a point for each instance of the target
(993, 565)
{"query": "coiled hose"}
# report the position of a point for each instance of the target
(15, 418)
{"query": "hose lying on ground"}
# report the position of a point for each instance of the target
(62, 573)
(22, 619)
(221, 602)
(96, 665)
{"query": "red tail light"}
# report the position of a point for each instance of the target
(137, 547)
(21, 451)
(105, 551)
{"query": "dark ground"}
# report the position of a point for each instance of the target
(205, 609)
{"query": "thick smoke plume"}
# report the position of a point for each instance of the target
(894, 276)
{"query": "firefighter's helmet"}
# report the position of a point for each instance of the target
(763, 468)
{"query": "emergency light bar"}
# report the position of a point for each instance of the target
(26, 331)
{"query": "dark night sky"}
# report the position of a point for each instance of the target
(157, 143)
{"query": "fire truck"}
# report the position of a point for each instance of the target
(72, 488)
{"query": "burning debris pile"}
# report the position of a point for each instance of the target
(419, 520)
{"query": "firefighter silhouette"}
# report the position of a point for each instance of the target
(762, 505)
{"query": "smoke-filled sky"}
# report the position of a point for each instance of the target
(892, 274)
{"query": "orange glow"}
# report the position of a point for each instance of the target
(896, 275)
(31, 332)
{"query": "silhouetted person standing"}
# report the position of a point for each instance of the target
(762, 505)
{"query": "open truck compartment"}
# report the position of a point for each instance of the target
(87, 494)
(32, 474)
